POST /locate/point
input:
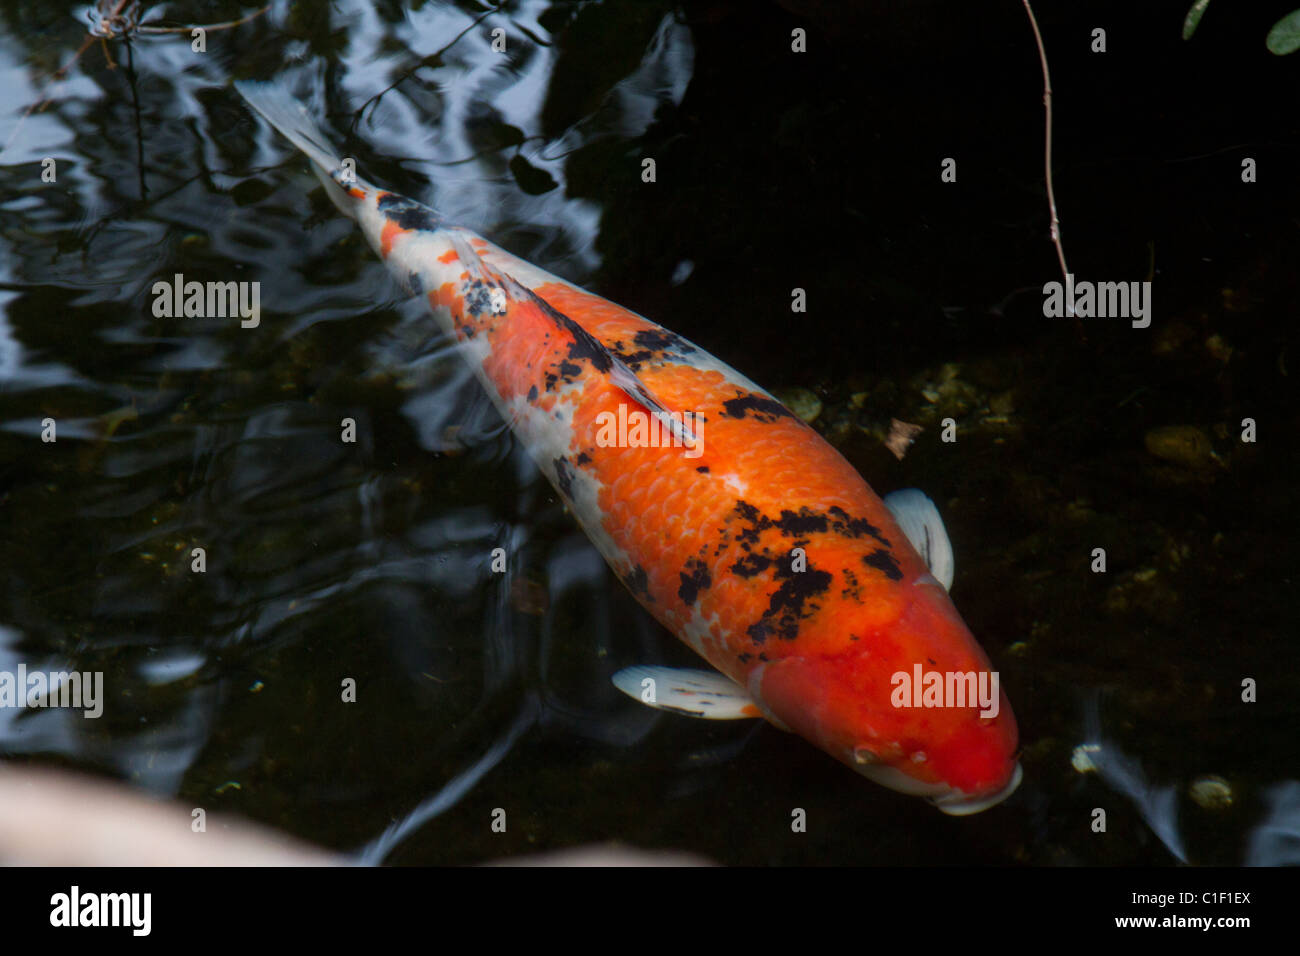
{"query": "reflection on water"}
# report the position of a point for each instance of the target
(1123, 773)
(1276, 841)
(327, 563)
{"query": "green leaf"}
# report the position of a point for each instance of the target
(1285, 36)
(1193, 19)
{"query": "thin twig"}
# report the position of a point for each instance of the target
(1047, 149)
(373, 102)
(229, 24)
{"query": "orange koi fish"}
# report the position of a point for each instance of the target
(732, 522)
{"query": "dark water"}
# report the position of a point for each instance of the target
(775, 170)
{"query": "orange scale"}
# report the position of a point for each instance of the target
(388, 235)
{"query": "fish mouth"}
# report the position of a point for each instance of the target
(958, 804)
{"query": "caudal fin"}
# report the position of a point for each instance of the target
(283, 111)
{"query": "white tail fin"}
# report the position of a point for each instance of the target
(283, 111)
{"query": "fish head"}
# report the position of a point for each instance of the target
(913, 705)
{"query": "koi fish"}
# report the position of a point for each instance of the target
(822, 608)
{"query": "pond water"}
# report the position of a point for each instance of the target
(775, 170)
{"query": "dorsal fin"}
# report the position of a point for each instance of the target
(589, 346)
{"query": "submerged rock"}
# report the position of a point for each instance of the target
(1211, 793)
(1186, 445)
(801, 401)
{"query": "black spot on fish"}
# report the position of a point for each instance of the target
(658, 340)
(703, 469)
(758, 521)
(791, 524)
(569, 371)
(638, 582)
(407, 213)
(843, 524)
(791, 603)
(551, 379)
(805, 521)
(564, 476)
(633, 360)
(696, 581)
(852, 589)
(583, 458)
(762, 409)
(884, 561)
(751, 565)
(478, 299)
(417, 285)
(651, 345)
(746, 657)
(532, 393)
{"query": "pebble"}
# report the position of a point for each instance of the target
(1211, 793)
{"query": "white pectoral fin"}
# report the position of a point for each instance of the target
(705, 694)
(920, 521)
